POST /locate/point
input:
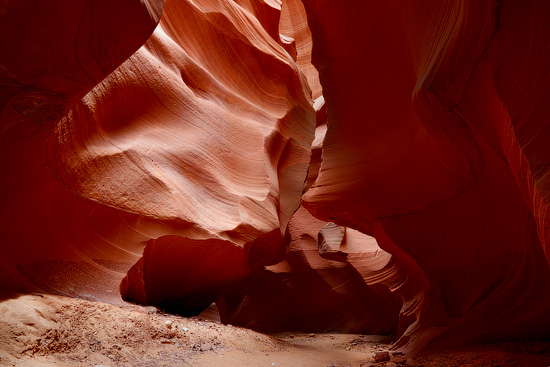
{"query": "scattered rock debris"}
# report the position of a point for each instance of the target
(381, 356)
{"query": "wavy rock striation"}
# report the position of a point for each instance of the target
(433, 122)
(204, 148)
(168, 147)
(316, 293)
(54, 240)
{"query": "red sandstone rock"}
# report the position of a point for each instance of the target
(53, 53)
(429, 156)
(308, 292)
(430, 149)
(180, 143)
(194, 143)
(381, 356)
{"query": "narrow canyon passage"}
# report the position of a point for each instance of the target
(337, 168)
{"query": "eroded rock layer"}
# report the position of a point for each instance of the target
(308, 292)
(52, 54)
(174, 161)
(202, 143)
(430, 148)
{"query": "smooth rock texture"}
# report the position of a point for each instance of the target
(430, 148)
(178, 133)
(348, 166)
(311, 293)
(54, 240)
(180, 143)
(55, 52)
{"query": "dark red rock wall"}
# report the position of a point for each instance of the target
(52, 54)
(172, 161)
(434, 111)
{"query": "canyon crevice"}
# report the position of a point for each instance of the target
(373, 167)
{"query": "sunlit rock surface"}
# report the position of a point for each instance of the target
(353, 166)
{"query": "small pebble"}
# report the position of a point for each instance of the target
(381, 356)
(168, 324)
(398, 359)
(151, 309)
(410, 362)
(390, 364)
(311, 335)
(185, 329)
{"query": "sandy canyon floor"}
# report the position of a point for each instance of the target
(45, 330)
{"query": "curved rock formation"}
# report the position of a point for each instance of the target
(317, 293)
(61, 49)
(173, 160)
(179, 144)
(179, 133)
(430, 148)
(58, 51)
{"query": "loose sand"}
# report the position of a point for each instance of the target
(46, 330)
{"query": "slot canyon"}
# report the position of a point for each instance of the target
(191, 179)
